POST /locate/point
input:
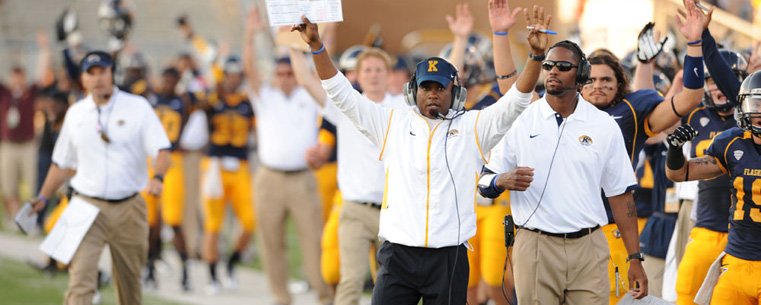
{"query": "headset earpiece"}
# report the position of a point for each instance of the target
(459, 94)
(585, 69)
(410, 91)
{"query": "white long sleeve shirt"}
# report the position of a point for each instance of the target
(430, 193)
(360, 173)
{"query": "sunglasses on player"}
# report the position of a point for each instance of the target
(562, 65)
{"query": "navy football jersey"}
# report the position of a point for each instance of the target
(329, 127)
(631, 115)
(738, 156)
(171, 112)
(714, 195)
(230, 122)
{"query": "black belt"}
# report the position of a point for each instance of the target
(370, 204)
(112, 201)
(287, 172)
(572, 235)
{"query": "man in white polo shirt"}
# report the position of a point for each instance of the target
(106, 139)
(286, 125)
(432, 153)
(560, 255)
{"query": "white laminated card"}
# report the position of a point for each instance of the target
(69, 230)
(288, 12)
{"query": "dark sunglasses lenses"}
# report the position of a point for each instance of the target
(562, 65)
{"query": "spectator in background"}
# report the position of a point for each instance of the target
(54, 106)
(18, 151)
(285, 186)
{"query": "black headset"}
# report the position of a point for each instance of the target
(584, 69)
(459, 93)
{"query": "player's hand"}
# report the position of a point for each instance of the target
(648, 46)
(692, 27)
(707, 15)
(518, 179)
(500, 17)
(254, 21)
(462, 23)
(637, 279)
(309, 33)
(537, 40)
(754, 61)
(155, 187)
(681, 135)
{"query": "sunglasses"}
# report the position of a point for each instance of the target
(562, 65)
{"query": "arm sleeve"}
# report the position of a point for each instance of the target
(371, 120)
(494, 121)
(720, 71)
(618, 176)
(64, 152)
(153, 133)
(331, 113)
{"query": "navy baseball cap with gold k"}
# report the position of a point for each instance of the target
(96, 58)
(435, 69)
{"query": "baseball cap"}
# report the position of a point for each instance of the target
(96, 58)
(435, 69)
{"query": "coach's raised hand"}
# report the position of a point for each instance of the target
(311, 35)
(536, 39)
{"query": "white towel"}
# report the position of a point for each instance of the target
(706, 290)
(211, 187)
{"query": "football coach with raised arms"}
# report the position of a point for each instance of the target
(555, 159)
(432, 153)
(106, 139)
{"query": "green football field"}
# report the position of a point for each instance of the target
(21, 284)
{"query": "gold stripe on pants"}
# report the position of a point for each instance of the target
(124, 227)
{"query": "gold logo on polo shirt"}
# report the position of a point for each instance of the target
(453, 133)
(585, 140)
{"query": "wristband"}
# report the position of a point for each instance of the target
(318, 51)
(159, 177)
(501, 33)
(695, 42)
(507, 76)
(675, 158)
(674, 107)
(693, 72)
(43, 199)
(536, 58)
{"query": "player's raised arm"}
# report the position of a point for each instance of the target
(678, 169)
(669, 112)
(460, 26)
(501, 19)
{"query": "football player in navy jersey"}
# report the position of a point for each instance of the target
(641, 114)
(736, 152)
(226, 171)
(709, 236)
(172, 110)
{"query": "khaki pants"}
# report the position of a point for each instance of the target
(124, 227)
(357, 231)
(685, 224)
(553, 270)
(18, 162)
(654, 267)
(279, 194)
